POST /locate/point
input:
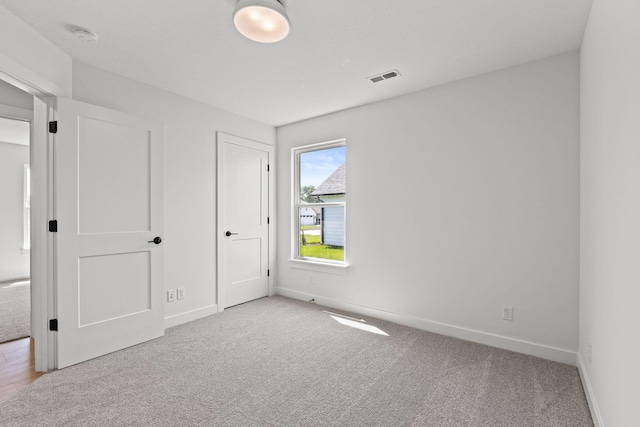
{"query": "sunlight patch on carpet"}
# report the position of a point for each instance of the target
(358, 325)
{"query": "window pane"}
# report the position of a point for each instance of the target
(322, 176)
(321, 232)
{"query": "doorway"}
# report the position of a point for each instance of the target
(39, 93)
(15, 227)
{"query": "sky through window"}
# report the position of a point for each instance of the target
(316, 166)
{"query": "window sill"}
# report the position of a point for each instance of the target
(323, 267)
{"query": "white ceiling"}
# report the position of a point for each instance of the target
(190, 47)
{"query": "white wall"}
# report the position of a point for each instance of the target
(189, 177)
(29, 49)
(491, 165)
(610, 211)
(14, 262)
(14, 97)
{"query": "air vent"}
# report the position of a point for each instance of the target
(384, 76)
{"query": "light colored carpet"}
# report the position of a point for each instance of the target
(15, 310)
(277, 361)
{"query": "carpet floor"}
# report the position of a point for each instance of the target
(281, 362)
(15, 310)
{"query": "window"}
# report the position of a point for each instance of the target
(26, 245)
(320, 202)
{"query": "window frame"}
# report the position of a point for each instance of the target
(297, 260)
(26, 209)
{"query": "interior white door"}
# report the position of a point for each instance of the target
(243, 220)
(109, 208)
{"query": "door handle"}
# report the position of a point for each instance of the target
(228, 233)
(155, 240)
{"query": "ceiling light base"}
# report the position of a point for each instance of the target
(85, 35)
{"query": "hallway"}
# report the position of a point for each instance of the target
(17, 367)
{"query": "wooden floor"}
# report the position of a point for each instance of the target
(17, 363)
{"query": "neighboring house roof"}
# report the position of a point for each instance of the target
(334, 184)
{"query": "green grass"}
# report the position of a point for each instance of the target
(309, 240)
(322, 251)
(309, 227)
(312, 248)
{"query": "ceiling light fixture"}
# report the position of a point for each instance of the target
(263, 21)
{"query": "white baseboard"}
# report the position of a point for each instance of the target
(588, 391)
(506, 343)
(190, 316)
(14, 278)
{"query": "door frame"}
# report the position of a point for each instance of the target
(221, 137)
(42, 283)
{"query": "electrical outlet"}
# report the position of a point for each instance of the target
(507, 312)
(180, 293)
(589, 352)
(171, 295)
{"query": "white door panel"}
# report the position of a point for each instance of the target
(243, 210)
(109, 205)
(113, 199)
(246, 259)
(104, 295)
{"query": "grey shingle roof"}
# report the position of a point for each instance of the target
(334, 184)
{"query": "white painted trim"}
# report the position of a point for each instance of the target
(43, 112)
(323, 267)
(23, 78)
(506, 343)
(11, 112)
(272, 221)
(296, 205)
(42, 308)
(26, 210)
(588, 391)
(190, 316)
(42, 288)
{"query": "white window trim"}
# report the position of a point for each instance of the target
(26, 211)
(297, 261)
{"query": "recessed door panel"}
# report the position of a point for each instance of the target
(246, 259)
(246, 184)
(113, 286)
(113, 177)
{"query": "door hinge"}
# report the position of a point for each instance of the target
(53, 226)
(267, 220)
(53, 325)
(53, 127)
(267, 168)
(268, 273)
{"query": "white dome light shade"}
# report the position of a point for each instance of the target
(263, 21)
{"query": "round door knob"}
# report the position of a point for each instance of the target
(228, 233)
(155, 240)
